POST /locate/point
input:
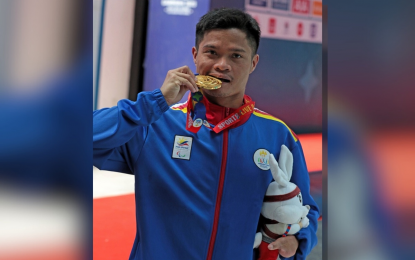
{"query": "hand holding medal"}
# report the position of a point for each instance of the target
(177, 82)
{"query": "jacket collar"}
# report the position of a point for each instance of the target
(216, 113)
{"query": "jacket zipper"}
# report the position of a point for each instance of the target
(220, 190)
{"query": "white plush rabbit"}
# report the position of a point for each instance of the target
(282, 212)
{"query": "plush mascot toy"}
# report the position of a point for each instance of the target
(282, 212)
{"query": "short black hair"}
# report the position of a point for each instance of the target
(229, 18)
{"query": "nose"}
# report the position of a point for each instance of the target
(222, 65)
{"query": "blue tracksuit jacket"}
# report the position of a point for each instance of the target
(198, 195)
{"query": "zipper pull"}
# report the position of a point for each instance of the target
(226, 112)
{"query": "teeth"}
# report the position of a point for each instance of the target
(225, 80)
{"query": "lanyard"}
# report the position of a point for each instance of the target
(196, 106)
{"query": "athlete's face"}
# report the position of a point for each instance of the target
(226, 54)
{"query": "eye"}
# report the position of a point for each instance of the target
(212, 52)
(236, 55)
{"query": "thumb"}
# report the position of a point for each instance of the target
(275, 245)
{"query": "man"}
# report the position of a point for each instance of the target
(201, 169)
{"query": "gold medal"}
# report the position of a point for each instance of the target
(208, 82)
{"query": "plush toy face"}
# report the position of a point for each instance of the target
(287, 206)
(290, 211)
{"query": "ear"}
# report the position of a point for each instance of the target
(255, 60)
(285, 161)
(194, 53)
(277, 174)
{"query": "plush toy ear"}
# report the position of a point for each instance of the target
(286, 161)
(277, 173)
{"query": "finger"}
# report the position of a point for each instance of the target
(190, 72)
(182, 81)
(190, 79)
(287, 246)
(278, 245)
(187, 70)
(286, 254)
(275, 245)
(184, 69)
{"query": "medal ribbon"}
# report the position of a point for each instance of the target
(199, 114)
(193, 124)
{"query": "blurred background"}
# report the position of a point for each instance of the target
(45, 129)
(358, 92)
(370, 134)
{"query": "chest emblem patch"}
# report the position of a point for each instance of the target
(182, 147)
(261, 159)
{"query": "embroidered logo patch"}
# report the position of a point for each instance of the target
(198, 122)
(182, 147)
(261, 159)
